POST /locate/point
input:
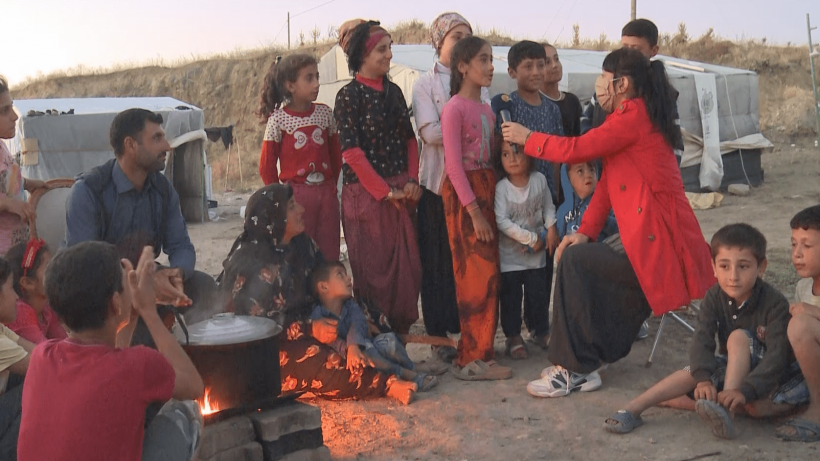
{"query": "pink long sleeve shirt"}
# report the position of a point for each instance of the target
(467, 127)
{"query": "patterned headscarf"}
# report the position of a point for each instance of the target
(346, 32)
(444, 24)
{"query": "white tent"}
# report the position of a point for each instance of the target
(702, 87)
(65, 145)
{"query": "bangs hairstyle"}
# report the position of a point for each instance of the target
(358, 45)
(498, 164)
(808, 219)
(322, 274)
(274, 92)
(641, 28)
(464, 51)
(15, 257)
(80, 282)
(741, 236)
(5, 271)
(4, 84)
(649, 81)
(525, 49)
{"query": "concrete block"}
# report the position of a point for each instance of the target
(248, 452)
(739, 189)
(224, 435)
(286, 419)
(302, 440)
(315, 454)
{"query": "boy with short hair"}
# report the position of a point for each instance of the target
(527, 105)
(641, 35)
(804, 327)
(750, 318)
(578, 182)
(86, 396)
(333, 288)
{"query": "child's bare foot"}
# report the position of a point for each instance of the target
(401, 390)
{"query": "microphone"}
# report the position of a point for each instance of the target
(505, 117)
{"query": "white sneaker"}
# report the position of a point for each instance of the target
(559, 382)
(547, 370)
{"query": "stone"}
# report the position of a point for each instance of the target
(291, 443)
(315, 454)
(224, 435)
(739, 189)
(248, 452)
(286, 419)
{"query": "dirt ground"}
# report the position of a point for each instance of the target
(499, 420)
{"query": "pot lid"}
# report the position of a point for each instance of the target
(228, 328)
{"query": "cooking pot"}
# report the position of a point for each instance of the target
(238, 359)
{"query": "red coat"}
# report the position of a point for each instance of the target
(641, 182)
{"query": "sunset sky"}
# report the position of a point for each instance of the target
(46, 35)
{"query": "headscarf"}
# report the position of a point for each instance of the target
(444, 24)
(346, 30)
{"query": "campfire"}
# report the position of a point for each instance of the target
(205, 405)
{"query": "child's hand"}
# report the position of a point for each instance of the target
(705, 390)
(141, 282)
(539, 246)
(483, 231)
(412, 191)
(397, 198)
(552, 239)
(731, 399)
(356, 358)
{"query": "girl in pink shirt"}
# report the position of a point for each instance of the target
(35, 321)
(468, 194)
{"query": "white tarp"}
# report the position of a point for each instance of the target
(735, 90)
(711, 164)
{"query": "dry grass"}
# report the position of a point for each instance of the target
(227, 85)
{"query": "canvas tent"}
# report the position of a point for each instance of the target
(719, 101)
(63, 146)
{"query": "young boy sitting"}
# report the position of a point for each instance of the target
(578, 182)
(85, 397)
(14, 360)
(527, 105)
(750, 318)
(804, 327)
(333, 288)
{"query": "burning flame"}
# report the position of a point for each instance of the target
(205, 405)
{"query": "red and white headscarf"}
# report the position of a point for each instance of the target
(444, 24)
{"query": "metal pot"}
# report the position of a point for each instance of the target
(238, 359)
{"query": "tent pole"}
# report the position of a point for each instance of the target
(812, 55)
(633, 16)
(288, 29)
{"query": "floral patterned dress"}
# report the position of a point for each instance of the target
(12, 229)
(265, 278)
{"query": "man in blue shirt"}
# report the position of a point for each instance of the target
(128, 202)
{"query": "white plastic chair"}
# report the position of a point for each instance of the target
(50, 204)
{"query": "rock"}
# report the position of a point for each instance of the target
(286, 419)
(316, 454)
(739, 189)
(248, 452)
(224, 435)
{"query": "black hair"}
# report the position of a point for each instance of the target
(129, 124)
(274, 92)
(807, 219)
(15, 257)
(648, 78)
(357, 45)
(5, 270)
(464, 51)
(4, 84)
(321, 273)
(525, 49)
(642, 28)
(80, 282)
(742, 236)
(498, 164)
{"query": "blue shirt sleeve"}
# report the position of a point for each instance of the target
(358, 324)
(176, 242)
(81, 216)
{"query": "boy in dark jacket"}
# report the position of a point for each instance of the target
(750, 318)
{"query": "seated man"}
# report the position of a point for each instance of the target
(128, 202)
(14, 357)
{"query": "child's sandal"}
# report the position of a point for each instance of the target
(516, 348)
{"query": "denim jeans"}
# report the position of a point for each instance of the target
(387, 348)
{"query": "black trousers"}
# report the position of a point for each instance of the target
(534, 285)
(202, 290)
(438, 286)
(11, 409)
(598, 308)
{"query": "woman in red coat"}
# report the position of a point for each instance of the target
(603, 295)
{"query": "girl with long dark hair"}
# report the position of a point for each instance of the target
(603, 292)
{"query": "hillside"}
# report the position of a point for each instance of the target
(227, 87)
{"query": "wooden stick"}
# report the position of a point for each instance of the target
(431, 340)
